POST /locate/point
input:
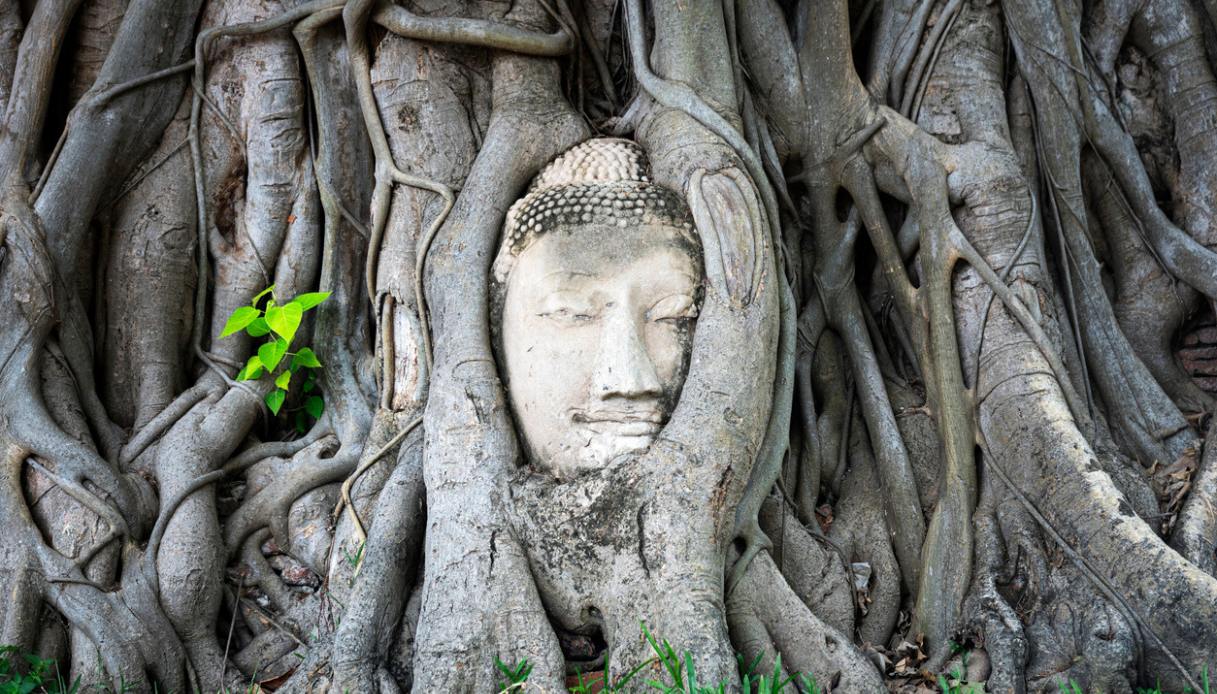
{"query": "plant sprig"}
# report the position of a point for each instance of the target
(680, 672)
(278, 323)
(517, 675)
(40, 675)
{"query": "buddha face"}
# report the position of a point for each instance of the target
(597, 327)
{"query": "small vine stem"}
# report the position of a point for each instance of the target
(161, 423)
(345, 500)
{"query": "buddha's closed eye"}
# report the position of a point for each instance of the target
(567, 309)
(673, 308)
(568, 316)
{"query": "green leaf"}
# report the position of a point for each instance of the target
(251, 370)
(274, 400)
(239, 319)
(309, 383)
(37, 665)
(264, 292)
(311, 299)
(305, 357)
(258, 328)
(272, 352)
(285, 319)
(284, 379)
(301, 421)
(315, 406)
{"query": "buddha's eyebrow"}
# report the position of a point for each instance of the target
(678, 276)
(568, 274)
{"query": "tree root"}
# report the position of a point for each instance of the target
(816, 569)
(807, 644)
(507, 620)
(1181, 664)
(269, 508)
(729, 100)
(1149, 305)
(860, 531)
(987, 610)
(1195, 532)
(768, 465)
(389, 562)
(161, 423)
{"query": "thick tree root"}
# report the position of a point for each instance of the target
(807, 644)
(1195, 532)
(389, 564)
(456, 641)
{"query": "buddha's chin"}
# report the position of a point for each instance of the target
(611, 446)
(599, 450)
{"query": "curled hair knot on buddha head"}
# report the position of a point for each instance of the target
(598, 185)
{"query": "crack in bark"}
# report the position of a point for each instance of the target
(642, 539)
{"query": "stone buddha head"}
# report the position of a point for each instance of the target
(595, 295)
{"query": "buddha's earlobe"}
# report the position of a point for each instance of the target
(733, 231)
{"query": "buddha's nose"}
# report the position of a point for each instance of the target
(624, 368)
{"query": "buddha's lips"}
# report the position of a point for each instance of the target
(629, 423)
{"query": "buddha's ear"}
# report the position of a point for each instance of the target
(731, 222)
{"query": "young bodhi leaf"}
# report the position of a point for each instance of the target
(258, 328)
(274, 400)
(272, 352)
(315, 406)
(285, 319)
(283, 380)
(252, 369)
(311, 299)
(305, 357)
(239, 319)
